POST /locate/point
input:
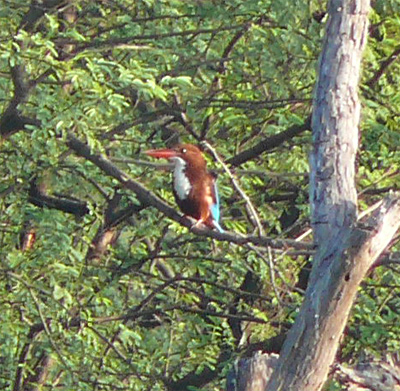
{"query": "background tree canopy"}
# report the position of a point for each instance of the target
(99, 289)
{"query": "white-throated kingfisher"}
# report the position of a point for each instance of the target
(194, 187)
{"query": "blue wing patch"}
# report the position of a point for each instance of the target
(215, 211)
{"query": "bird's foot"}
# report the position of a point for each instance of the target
(201, 223)
(197, 224)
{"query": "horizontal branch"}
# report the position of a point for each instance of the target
(250, 104)
(269, 143)
(39, 198)
(148, 198)
(96, 44)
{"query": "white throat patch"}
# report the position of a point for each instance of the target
(182, 185)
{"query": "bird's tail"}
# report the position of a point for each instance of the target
(217, 226)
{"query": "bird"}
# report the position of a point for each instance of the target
(194, 187)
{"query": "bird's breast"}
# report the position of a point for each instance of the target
(182, 184)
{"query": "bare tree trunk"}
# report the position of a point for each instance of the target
(369, 374)
(344, 251)
(251, 374)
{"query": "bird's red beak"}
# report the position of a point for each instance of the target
(161, 153)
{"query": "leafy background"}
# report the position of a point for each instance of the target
(101, 291)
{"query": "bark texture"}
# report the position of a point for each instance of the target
(336, 115)
(344, 251)
(251, 374)
(369, 374)
(311, 345)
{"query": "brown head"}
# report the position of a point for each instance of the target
(189, 153)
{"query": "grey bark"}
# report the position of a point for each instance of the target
(369, 374)
(335, 120)
(251, 374)
(344, 251)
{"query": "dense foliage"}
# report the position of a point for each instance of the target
(100, 290)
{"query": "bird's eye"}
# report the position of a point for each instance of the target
(184, 150)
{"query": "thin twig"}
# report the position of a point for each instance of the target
(360, 216)
(47, 330)
(148, 198)
(169, 166)
(269, 262)
(237, 187)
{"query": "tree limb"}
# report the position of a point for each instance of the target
(147, 198)
(38, 197)
(269, 143)
(384, 66)
(344, 251)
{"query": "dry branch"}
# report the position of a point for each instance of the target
(345, 252)
(269, 143)
(148, 198)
